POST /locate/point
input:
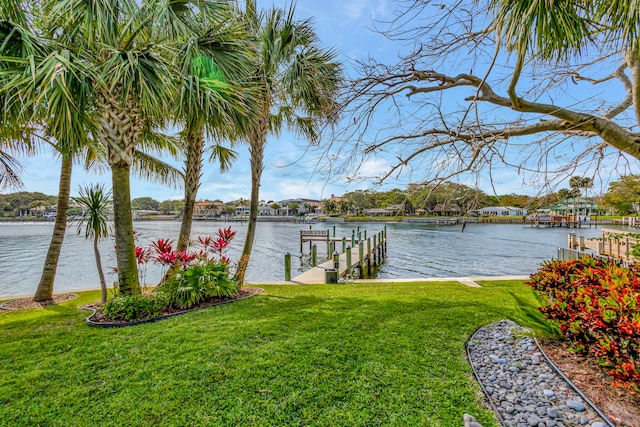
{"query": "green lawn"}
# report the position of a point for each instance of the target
(329, 355)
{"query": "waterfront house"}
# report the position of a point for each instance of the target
(446, 209)
(304, 206)
(264, 210)
(207, 208)
(502, 211)
(242, 210)
(377, 212)
(571, 206)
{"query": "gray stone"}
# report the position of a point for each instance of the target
(517, 377)
(533, 421)
(575, 405)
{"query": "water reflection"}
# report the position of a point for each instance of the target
(414, 250)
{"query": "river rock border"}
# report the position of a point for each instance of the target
(523, 386)
(258, 291)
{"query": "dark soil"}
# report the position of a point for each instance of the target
(30, 303)
(620, 404)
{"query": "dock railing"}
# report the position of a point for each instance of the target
(565, 254)
(613, 244)
(353, 262)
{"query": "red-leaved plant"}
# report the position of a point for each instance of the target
(596, 304)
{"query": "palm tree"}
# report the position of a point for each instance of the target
(57, 98)
(127, 50)
(210, 102)
(329, 206)
(295, 84)
(95, 204)
(43, 98)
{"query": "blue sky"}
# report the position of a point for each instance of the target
(341, 24)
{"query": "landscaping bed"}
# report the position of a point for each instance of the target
(98, 318)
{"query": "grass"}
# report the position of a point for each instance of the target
(344, 355)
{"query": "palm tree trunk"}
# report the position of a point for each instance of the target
(103, 283)
(192, 171)
(45, 287)
(128, 282)
(257, 155)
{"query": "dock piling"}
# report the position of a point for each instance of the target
(361, 256)
(375, 250)
(369, 256)
(287, 267)
(314, 255)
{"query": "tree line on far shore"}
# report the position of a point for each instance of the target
(622, 198)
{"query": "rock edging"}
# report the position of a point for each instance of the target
(523, 387)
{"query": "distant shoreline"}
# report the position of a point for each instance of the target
(329, 220)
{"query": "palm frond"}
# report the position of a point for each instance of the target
(225, 156)
(153, 169)
(550, 29)
(159, 143)
(623, 18)
(10, 171)
(95, 202)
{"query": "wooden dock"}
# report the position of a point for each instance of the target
(613, 243)
(358, 259)
(317, 274)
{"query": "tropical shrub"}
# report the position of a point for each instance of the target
(194, 277)
(200, 281)
(134, 307)
(191, 278)
(596, 303)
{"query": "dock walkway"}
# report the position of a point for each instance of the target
(317, 274)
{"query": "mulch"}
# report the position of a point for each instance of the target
(620, 404)
(17, 304)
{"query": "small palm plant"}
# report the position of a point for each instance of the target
(95, 203)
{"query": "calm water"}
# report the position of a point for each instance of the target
(414, 250)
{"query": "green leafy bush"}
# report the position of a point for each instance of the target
(596, 304)
(200, 281)
(135, 307)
